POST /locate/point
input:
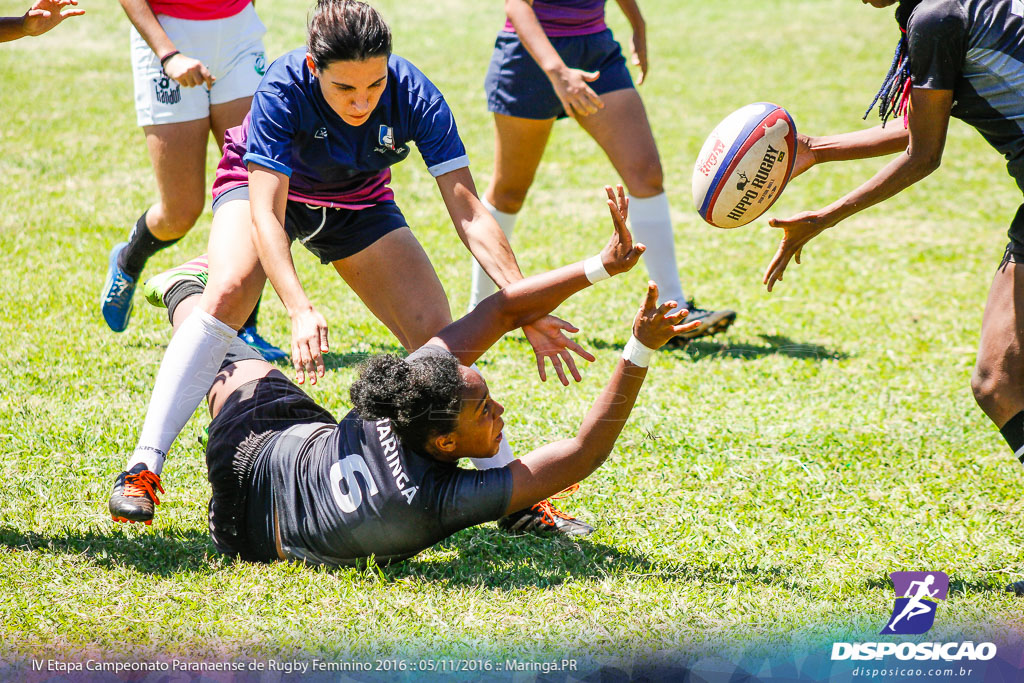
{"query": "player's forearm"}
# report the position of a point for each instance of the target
(491, 249)
(861, 144)
(145, 22)
(895, 177)
(12, 28)
(274, 251)
(531, 35)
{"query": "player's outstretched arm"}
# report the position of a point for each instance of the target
(40, 18)
(929, 120)
(881, 140)
(522, 302)
(551, 468)
(268, 197)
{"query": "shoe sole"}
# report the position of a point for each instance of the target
(708, 330)
(125, 520)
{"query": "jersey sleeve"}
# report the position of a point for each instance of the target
(437, 138)
(936, 33)
(271, 133)
(471, 497)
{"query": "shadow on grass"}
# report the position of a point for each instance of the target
(496, 559)
(775, 345)
(993, 585)
(159, 552)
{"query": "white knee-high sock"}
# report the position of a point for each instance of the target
(483, 287)
(504, 455)
(186, 373)
(651, 223)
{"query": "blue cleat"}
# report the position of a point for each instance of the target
(116, 297)
(269, 352)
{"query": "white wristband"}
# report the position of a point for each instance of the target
(636, 353)
(595, 270)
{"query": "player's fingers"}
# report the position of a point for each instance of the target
(567, 357)
(324, 346)
(580, 351)
(557, 365)
(686, 327)
(651, 300)
(73, 13)
(796, 256)
(541, 369)
(565, 325)
(666, 307)
(593, 100)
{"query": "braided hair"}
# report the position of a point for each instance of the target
(893, 98)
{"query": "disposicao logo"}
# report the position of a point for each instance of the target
(917, 594)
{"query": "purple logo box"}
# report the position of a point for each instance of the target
(938, 584)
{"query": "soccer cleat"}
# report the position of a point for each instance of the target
(269, 352)
(198, 269)
(543, 519)
(116, 297)
(1017, 588)
(133, 497)
(712, 322)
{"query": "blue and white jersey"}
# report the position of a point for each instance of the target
(294, 131)
(976, 49)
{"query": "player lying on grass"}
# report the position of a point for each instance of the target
(959, 58)
(312, 162)
(290, 482)
(40, 18)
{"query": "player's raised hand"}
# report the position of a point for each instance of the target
(577, 98)
(550, 343)
(309, 343)
(654, 325)
(797, 231)
(620, 254)
(188, 72)
(45, 14)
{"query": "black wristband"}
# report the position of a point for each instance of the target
(167, 57)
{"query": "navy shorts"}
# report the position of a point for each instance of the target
(517, 86)
(331, 234)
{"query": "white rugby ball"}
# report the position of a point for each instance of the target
(744, 165)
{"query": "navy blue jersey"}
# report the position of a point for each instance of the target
(294, 131)
(976, 49)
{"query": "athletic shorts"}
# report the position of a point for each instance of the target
(231, 48)
(241, 518)
(329, 233)
(517, 86)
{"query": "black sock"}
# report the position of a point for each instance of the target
(178, 292)
(251, 320)
(141, 245)
(1013, 432)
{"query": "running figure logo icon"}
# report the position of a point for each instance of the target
(917, 594)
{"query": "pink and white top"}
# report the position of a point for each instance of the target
(567, 17)
(198, 10)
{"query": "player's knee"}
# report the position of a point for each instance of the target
(645, 179)
(230, 300)
(180, 217)
(990, 385)
(509, 199)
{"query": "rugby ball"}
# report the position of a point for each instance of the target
(744, 165)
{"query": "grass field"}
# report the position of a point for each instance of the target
(766, 484)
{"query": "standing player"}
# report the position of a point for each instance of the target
(196, 65)
(326, 126)
(290, 482)
(40, 18)
(959, 58)
(557, 58)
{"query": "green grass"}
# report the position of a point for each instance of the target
(766, 484)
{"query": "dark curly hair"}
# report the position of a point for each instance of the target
(422, 399)
(346, 30)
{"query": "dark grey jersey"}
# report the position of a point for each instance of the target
(976, 49)
(347, 491)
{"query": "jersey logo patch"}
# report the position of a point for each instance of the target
(386, 137)
(321, 133)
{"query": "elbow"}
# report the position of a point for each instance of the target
(925, 163)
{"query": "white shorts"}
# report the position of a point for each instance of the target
(231, 48)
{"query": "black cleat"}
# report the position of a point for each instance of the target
(1017, 588)
(543, 519)
(133, 497)
(712, 322)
